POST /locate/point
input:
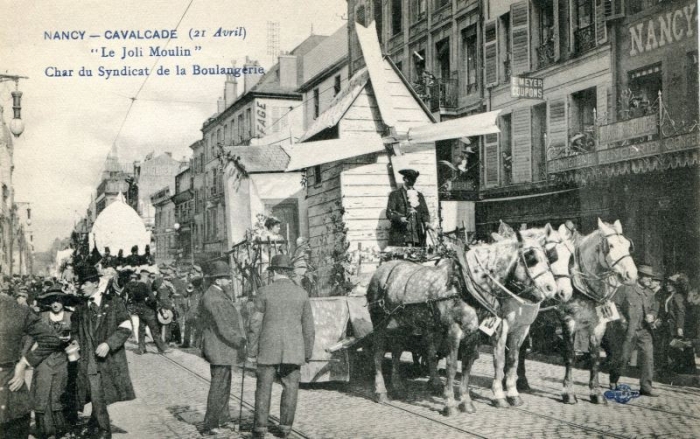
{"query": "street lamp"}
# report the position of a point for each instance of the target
(17, 124)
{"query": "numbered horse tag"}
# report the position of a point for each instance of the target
(607, 312)
(489, 325)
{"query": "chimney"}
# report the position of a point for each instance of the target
(230, 89)
(288, 71)
(249, 81)
(220, 105)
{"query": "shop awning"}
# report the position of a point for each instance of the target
(306, 155)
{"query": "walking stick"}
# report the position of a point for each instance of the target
(240, 407)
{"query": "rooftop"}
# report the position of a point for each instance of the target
(258, 159)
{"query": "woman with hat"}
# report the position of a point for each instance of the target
(408, 213)
(53, 408)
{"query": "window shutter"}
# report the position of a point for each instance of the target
(557, 126)
(557, 42)
(602, 105)
(520, 37)
(601, 32)
(522, 145)
(491, 162)
(573, 14)
(490, 53)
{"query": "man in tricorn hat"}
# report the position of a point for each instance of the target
(282, 338)
(223, 335)
(408, 213)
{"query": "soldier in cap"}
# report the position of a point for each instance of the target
(282, 339)
(223, 335)
(408, 213)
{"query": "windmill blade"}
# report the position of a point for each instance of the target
(476, 125)
(372, 53)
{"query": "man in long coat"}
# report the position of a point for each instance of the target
(282, 337)
(101, 326)
(17, 321)
(634, 330)
(222, 336)
(408, 213)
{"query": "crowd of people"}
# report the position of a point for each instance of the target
(72, 331)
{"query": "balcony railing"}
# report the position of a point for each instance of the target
(437, 93)
(545, 54)
(584, 39)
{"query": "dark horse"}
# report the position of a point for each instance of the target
(602, 262)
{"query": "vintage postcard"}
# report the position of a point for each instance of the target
(349, 219)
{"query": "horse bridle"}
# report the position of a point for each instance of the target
(628, 255)
(555, 242)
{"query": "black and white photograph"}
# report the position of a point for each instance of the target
(340, 219)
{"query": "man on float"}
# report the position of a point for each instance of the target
(408, 213)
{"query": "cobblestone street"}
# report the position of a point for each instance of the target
(171, 401)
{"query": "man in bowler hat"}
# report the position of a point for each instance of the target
(282, 337)
(222, 336)
(101, 325)
(408, 213)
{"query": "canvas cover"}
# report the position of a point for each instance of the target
(334, 318)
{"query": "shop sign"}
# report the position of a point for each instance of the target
(526, 88)
(663, 29)
(628, 129)
(573, 162)
(629, 152)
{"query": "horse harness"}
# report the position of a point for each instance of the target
(580, 277)
(430, 302)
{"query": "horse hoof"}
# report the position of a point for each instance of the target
(522, 386)
(500, 403)
(515, 401)
(569, 399)
(467, 408)
(449, 411)
(381, 398)
(598, 399)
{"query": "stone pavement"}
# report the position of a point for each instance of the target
(171, 403)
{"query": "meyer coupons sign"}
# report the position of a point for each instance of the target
(526, 88)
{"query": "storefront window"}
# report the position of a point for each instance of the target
(644, 87)
(583, 131)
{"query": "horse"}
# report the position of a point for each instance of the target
(602, 262)
(509, 278)
(405, 297)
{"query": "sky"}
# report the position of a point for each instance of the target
(71, 122)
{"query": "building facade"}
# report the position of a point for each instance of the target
(164, 236)
(151, 175)
(183, 201)
(644, 169)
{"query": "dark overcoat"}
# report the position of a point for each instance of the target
(113, 368)
(17, 321)
(633, 303)
(282, 327)
(50, 378)
(398, 207)
(222, 328)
